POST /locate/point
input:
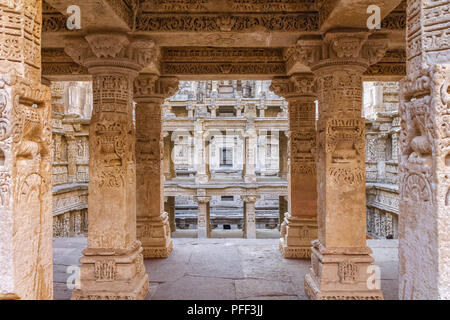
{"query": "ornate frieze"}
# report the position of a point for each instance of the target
(228, 5)
(298, 22)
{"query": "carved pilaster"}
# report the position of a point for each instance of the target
(299, 227)
(153, 228)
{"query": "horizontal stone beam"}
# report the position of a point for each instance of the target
(116, 15)
(391, 68)
(350, 13)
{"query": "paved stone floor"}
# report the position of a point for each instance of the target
(224, 269)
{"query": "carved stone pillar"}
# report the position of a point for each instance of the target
(214, 109)
(299, 226)
(203, 224)
(168, 161)
(200, 154)
(239, 107)
(251, 140)
(153, 228)
(282, 209)
(283, 156)
(190, 109)
(72, 151)
(262, 111)
(249, 217)
(25, 157)
(424, 160)
(340, 257)
(112, 265)
(169, 207)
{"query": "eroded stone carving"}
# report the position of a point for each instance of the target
(424, 149)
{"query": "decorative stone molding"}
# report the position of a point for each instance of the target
(228, 5)
(297, 233)
(338, 48)
(182, 22)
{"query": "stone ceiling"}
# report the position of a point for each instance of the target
(201, 39)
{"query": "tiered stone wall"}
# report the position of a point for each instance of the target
(72, 107)
(382, 135)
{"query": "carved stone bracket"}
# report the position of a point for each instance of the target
(338, 48)
(151, 86)
(112, 50)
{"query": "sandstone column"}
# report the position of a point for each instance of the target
(203, 225)
(112, 265)
(25, 157)
(299, 226)
(424, 160)
(283, 156)
(251, 139)
(168, 164)
(340, 257)
(200, 154)
(283, 207)
(169, 207)
(72, 151)
(249, 217)
(153, 228)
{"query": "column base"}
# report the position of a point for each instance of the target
(109, 274)
(341, 276)
(296, 237)
(154, 233)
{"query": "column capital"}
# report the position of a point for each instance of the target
(98, 51)
(250, 198)
(203, 199)
(148, 87)
(337, 48)
(296, 85)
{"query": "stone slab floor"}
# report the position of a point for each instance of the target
(224, 269)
